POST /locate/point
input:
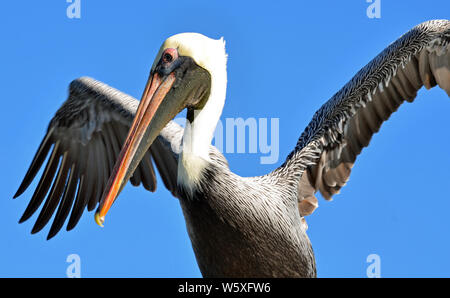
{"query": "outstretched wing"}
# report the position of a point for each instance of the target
(84, 139)
(343, 126)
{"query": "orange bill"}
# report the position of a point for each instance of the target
(135, 147)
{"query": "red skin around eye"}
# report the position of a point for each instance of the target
(172, 52)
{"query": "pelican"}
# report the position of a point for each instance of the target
(101, 138)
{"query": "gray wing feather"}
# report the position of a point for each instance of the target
(84, 139)
(343, 126)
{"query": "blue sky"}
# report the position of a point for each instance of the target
(285, 60)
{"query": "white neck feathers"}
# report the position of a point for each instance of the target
(209, 54)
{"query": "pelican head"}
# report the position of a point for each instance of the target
(189, 71)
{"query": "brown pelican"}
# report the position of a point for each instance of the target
(252, 226)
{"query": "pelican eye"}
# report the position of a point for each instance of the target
(169, 55)
(167, 58)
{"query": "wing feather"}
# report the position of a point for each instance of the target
(343, 126)
(84, 139)
(66, 202)
(44, 184)
(54, 197)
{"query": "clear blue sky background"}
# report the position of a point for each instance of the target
(285, 60)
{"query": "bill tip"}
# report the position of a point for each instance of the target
(99, 219)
